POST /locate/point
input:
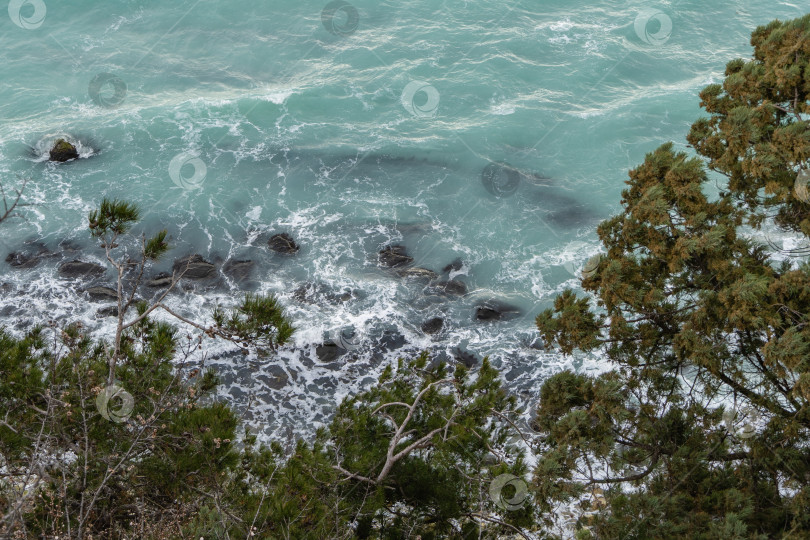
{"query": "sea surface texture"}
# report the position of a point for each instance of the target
(488, 139)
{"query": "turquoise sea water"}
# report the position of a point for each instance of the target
(498, 133)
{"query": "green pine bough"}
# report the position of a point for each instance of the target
(700, 429)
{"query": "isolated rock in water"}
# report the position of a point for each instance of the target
(495, 311)
(328, 352)
(392, 340)
(29, 256)
(161, 280)
(394, 256)
(465, 357)
(109, 311)
(66, 247)
(452, 287)
(306, 293)
(107, 294)
(238, 270)
(275, 378)
(487, 313)
(23, 260)
(193, 267)
(283, 243)
(536, 344)
(433, 326)
(102, 293)
(63, 151)
(454, 266)
(314, 293)
(418, 273)
(339, 297)
(77, 269)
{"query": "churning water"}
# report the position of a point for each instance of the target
(492, 135)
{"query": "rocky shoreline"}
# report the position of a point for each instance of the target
(83, 269)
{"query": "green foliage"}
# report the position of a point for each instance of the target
(156, 246)
(365, 477)
(456, 444)
(705, 329)
(113, 217)
(21, 368)
(90, 472)
(126, 440)
(700, 430)
(259, 320)
(174, 465)
(756, 135)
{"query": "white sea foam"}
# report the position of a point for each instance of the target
(282, 120)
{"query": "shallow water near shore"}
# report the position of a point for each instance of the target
(497, 134)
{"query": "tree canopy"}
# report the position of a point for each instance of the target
(700, 430)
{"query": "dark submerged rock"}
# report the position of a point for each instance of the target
(22, 260)
(407, 229)
(193, 267)
(239, 270)
(495, 311)
(63, 151)
(163, 279)
(395, 256)
(340, 297)
(570, 215)
(314, 293)
(487, 313)
(452, 287)
(454, 266)
(79, 269)
(283, 243)
(433, 326)
(102, 293)
(392, 340)
(67, 247)
(108, 311)
(467, 358)
(306, 293)
(275, 378)
(29, 256)
(418, 273)
(107, 294)
(500, 179)
(535, 343)
(328, 352)
(347, 339)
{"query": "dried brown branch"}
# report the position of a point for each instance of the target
(8, 207)
(400, 434)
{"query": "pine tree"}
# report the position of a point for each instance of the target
(122, 439)
(700, 430)
(125, 439)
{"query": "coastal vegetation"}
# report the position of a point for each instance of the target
(699, 427)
